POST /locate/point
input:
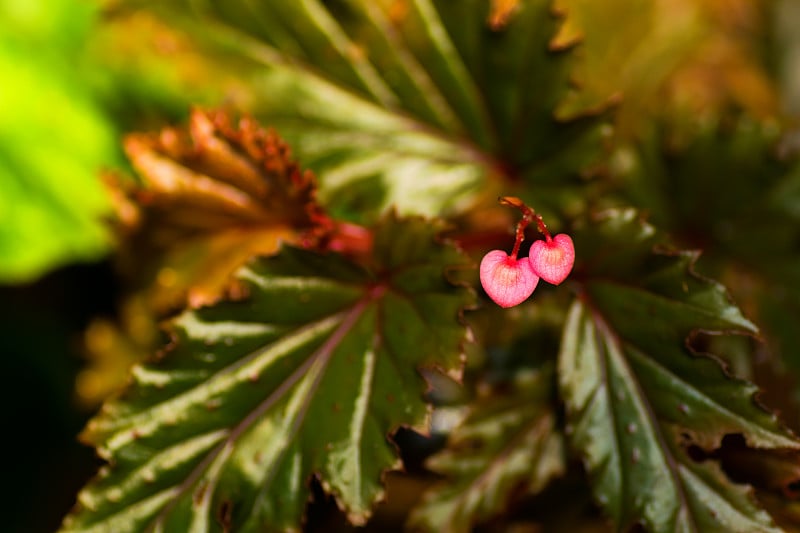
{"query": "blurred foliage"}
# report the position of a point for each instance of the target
(664, 110)
(700, 55)
(390, 104)
(69, 86)
(146, 73)
(211, 197)
(53, 140)
(506, 448)
(648, 129)
(740, 207)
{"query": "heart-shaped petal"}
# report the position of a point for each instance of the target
(552, 260)
(507, 280)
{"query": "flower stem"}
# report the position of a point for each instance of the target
(528, 216)
(543, 228)
(521, 225)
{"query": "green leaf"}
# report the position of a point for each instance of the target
(53, 142)
(209, 197)
(309, 375)
(636, 394)
(507, 445)
(407, 104)
(731, 186)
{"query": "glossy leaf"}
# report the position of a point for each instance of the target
(308, 375)
(507, 446)
(406, 104)
(636, 395)
(733, 187)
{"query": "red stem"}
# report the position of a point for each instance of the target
(521, 225)
(528, 215)
(543, 228)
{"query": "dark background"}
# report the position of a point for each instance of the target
(41, 327)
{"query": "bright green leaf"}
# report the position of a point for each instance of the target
(633, 388)
(309, 375)
(507, 444)
(53, 142)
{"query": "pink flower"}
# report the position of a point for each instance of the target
(507, 280)
(552, 259)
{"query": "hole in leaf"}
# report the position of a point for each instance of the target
(696, 453)
(776, 470)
